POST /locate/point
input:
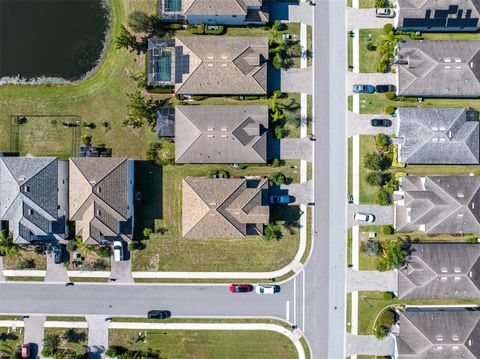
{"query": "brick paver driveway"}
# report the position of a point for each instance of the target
(360, 125)
(383, 214)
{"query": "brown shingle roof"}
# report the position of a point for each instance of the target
(222, 208)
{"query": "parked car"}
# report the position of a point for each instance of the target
(384, 12)
(241, 288)
(280, 199)
(58, 254)
(267, 289)
(385, 88)
(159, 314)
(118, 251)
(26, 351)
(363, 88)
(381, 122)
(364, 217)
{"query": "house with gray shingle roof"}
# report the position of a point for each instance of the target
(440, 333)
(440, 270)
(437, 136)
(204, 65)
(33, 197)
(437, 15)
(215, 12)
(440, 68)
(221, 134)
(438, 204)
(224, 208)
(101, 198)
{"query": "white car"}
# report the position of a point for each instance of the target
(385, 12)
(267, 289)
(117, 251)
(364, 217)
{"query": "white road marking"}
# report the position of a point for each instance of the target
(295, 300)
(303, 300)
(288, 310)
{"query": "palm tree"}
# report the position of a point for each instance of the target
(7, 246)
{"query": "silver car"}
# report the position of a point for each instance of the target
(385, 12)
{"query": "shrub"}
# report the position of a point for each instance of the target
(395, 162)
(198, 30)
(382, 66)
(224, 174)
(390, 95)
(376, 162)
(371, 247)
(147, 232)
(72, 246)
(387, 230)
(103, 251)
(277, 178)
(25, 263)
(279, 26)
(371, 47)
(115, 350)
(272, 231)
(380, 331)
(20, 120)
(382, 198)
(390, 110)
(199, 97)
(276, 163)
(388, 296)
(105, 124)
(382, 141)
(375, 178)
(136, 245)
(53, 122)
(220, 29)
(472, 240)
(212, 173)
(382, 265)
(87, 140)
(394, 255)
(387, 28)
(242, 166)
(50, 344)
(278, 132)
(387, 317)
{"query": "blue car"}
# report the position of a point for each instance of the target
(363, 89)
(280, 199)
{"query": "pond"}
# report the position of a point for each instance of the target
(56, 39)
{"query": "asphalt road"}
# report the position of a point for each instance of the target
(137, 300)
(325, 277)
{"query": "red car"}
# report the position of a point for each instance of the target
(26, 351)
(241, 288)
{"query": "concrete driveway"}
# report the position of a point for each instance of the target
(97, 335)
(365, 19)
(34, 333)
(296, 148)
(296, 80)
(371, 281)
(373, 78)
(383, 214)
(121, 272)
(360, 125)
(369, 345)
(55, 272)
(301, 192)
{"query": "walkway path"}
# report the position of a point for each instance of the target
(369, 345)
(97, 335)
(372, 281)
(365, 18)
(34, 333)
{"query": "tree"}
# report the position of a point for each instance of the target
(394, 252)
(277, 61)
(126, 40)
(74, 336)
(376, 178)
(277, 178)
(272, 231)
(382, 198)
(50, 345)
(139, 21)
(375, 162)
(387, 230)
(371, 247)
(142, 108)
(279, 26)
(7, 246)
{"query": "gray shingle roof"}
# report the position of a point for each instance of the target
(438, 136)
(223, 208)
(439, 204)
(100, 196)
(441, 271)
(413, 13)
(29, 197)
(440, 333)
(440, 68)
(221, 134)
(233, 66)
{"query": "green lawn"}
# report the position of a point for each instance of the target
(72, 339)
(349, 169)
(349, 52)
(366, 4)
(208, 344)
(14, 261)
(367, 191)
(349, 247)
(171, 252)
(9, 339)
(368, 59)
(350, 103)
